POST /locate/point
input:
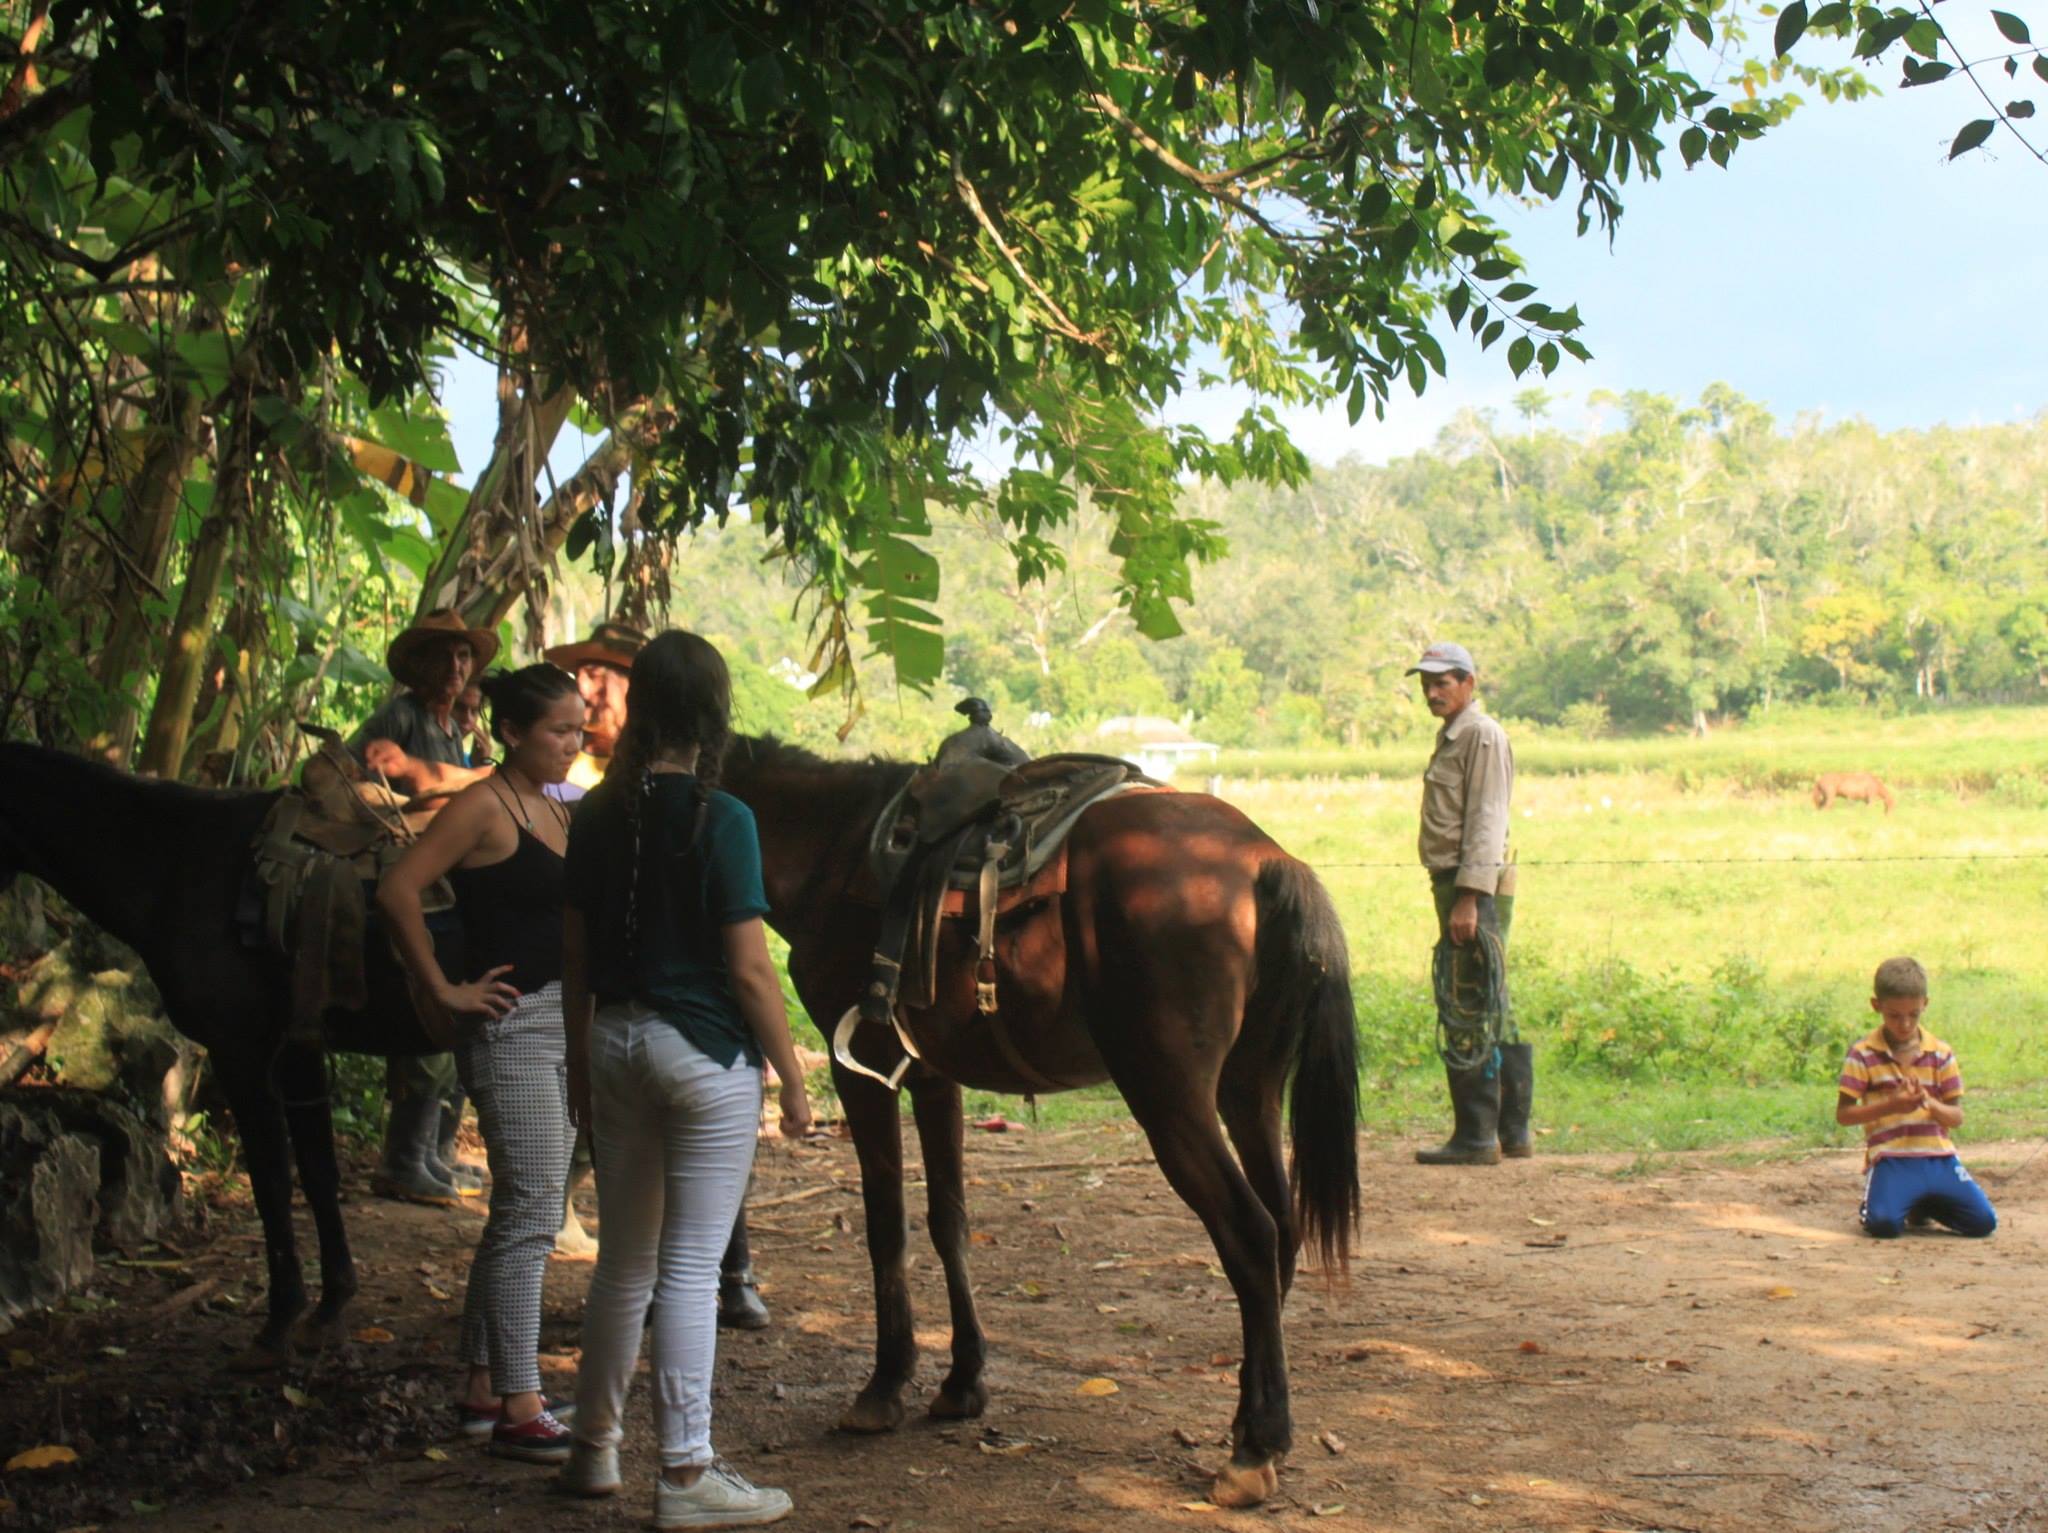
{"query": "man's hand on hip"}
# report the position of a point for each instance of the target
(1465, 916)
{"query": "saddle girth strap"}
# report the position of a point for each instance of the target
(985, 893)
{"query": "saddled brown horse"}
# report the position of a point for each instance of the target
(162, 867)
(1190, 960)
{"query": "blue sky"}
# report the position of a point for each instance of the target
(1842, 265)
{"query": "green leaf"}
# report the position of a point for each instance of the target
(1492, 268)
(1692, 143)
(761, 88)
(2019, 110)
(1973, 134)
(2041, 67)
(2014, 30)
(423, 438)
(1515, 292)
(1520, 354)
(1791, 25)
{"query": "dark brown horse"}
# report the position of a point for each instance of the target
(161, 866)
(1190, 960)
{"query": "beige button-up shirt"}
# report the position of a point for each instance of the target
(1465, 792)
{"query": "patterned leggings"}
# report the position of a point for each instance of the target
(513, 1070)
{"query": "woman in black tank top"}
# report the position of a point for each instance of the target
(501, 844)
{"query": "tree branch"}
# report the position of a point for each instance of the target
(1216, 183)
(1061, 321)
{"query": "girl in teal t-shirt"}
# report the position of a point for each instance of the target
(671, 1002)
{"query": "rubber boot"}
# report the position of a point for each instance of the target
(739, 1301)
(1517, 1092)
(447, 1162)
(573, 1243)
(1475, 1105)
(409, 1136)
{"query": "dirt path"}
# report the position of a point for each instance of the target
(1554, 1345)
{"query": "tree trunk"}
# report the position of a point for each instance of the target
(501, 583)
(191, 635)
(152, 517)
(490, 519)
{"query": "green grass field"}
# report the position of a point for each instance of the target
(1693, 941)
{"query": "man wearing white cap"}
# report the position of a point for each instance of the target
(1464, 845)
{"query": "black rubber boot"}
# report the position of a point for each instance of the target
(1517, 1093)
(739, 1301)
(1475, 1105)
(446, 1163)
(409, 1135)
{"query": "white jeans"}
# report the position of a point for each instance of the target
(673, 1142)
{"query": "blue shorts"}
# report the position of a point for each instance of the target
(1936, 1187)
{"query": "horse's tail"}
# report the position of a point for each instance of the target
(1304, 997)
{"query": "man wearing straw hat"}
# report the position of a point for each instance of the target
(1464, 845)
(602, 665)
(414, 740)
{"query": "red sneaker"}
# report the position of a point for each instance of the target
(476, 1422)
(543, 1440)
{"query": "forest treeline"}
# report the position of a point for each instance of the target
(1689, 564)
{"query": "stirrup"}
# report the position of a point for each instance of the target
(842, 1050)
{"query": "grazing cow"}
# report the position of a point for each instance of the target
(1861, 786)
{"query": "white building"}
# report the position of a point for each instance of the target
(1159, 746)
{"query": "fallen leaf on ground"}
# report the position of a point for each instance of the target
(1331, 1441)
(375, 1334)
(1200, 1506)
(438, 1293)
(1530, 1346)
(1633, 1250)
(1330, 1509)
(1096, 1388)
(145, 1508)
(1677, 1365)
(1537, 1484)
(1545, 1223)
(438, 1455)
(981, 1238)
(1004, 1450)
(1475, 1499)
(1223, 1360)
(866, 1520)
(113, 1351)
(1888, 1280)
(1782, 1292)
(1186, 1438)
(297, 1396)
(45, 1456)
(1105, 1309)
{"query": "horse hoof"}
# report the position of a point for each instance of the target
(869, 1415)
(316, 1333)
(261, 1357)
(957, 1402)
(1245, 1484)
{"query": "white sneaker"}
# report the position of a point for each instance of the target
(721, 1498)
(591, 1470)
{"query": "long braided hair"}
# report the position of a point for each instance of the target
(680, 695)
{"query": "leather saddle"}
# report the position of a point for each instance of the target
(318, 858)
(971, 834)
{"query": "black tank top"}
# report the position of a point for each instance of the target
(512, 913)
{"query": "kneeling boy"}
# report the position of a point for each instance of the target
(1904, 1086)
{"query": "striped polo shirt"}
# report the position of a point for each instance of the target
(1871, 1067)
